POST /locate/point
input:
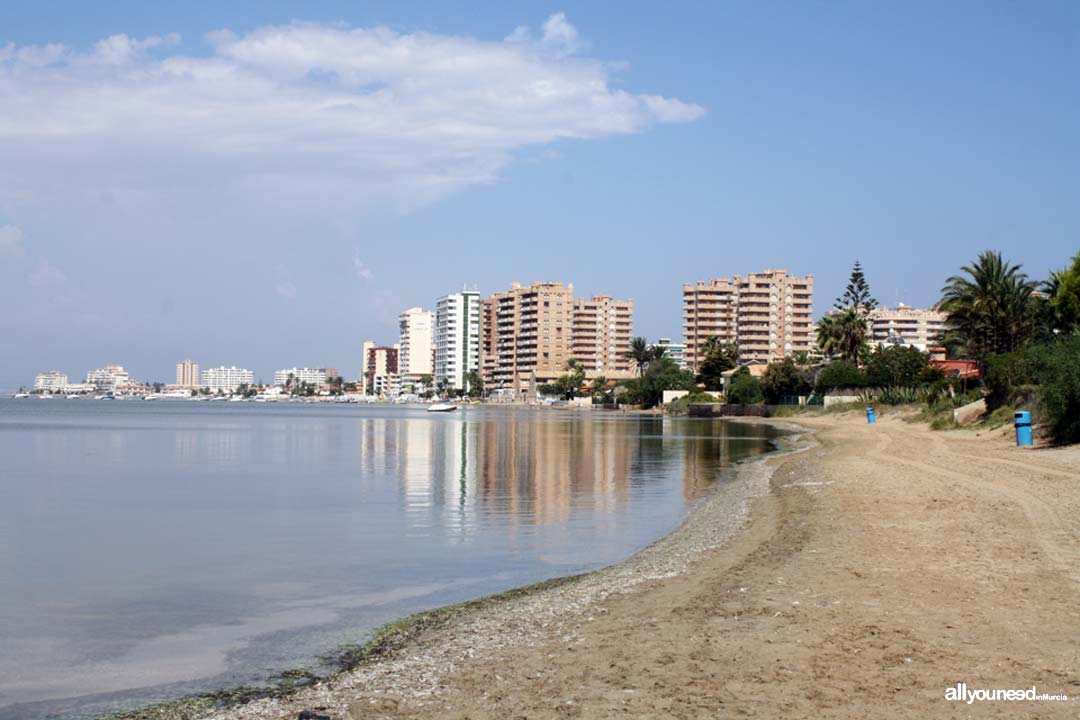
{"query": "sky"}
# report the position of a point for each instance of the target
(268, 184)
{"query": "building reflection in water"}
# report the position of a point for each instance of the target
(531, 468)
(511, 470)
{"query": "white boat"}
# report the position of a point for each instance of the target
(21, 395)
(442, 407)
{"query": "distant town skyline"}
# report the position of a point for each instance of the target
(150, 214)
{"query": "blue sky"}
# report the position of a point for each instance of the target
(272, 195)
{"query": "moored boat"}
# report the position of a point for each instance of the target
(442, 407)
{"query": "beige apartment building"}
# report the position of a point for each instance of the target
(905, 325)
(529, 333)
(767, 315)
(600, 336)
(416, 346)
(710, 309)
(187, 374)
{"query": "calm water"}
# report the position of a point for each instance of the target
(151, 549)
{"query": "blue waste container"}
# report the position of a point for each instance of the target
(870, 418)
(1022, 421)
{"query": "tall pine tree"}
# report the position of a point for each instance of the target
(857, 295)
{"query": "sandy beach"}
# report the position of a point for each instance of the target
(876, 567)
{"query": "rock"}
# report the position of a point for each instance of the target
(312, 715)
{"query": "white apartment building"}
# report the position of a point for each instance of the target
(106, 379)
(187, 373)
(416, 344)
(457, 338)
(905, 325)
(51, 381)
(672, 351)
(226, 379)
(311, 376)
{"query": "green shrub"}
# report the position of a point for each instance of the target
(1005, 374)
(744, 389)
(1056, 369)
(784, 379)
(840, 374)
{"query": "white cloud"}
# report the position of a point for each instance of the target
(363, 272)
(560, 36)
(10, 240)
(319, 114)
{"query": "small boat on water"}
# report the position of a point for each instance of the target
(442, 407)
(104, 397)
(21, 395)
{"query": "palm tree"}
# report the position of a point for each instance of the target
(990, 310)
(828, 335)
(843, 334)
(640, 353)
(658, 352)
(711, 345)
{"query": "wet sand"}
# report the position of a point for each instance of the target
(877, 567)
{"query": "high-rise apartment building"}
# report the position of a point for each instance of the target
(529, 333)
(226, 379)
(457, 338)
(774, 315)
(600, 336)
(187, 373)
(526, 335)
(416, 341)
(380, 373)
(905, 325)
(710, 309)
(766, 315)
(51, 381)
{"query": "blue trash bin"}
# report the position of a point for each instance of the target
(1022, 421)
(870, 417)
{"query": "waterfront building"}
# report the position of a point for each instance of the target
(600, 336)
(380, 362)
(226, 379)
(526, 337)
(416, 346)
(457, 339)
(529, 334)
(774, 316)
(672, 351)
(106, 379)
(904, 325)
(330, 373)
(710, 309)
(311, 376)
(51, 382)
(766, 315)
(187, 374)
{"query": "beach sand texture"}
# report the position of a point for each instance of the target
(879, 566)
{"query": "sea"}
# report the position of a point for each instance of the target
(150, 550)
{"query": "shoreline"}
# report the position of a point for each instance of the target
(421, 647)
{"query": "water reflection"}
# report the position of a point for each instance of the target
(128, 529)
